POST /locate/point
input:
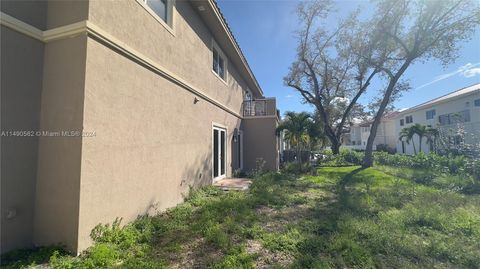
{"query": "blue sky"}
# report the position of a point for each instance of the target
(265, 31)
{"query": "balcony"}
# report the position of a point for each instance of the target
(260, 107)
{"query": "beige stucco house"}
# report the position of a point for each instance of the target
(115, 109)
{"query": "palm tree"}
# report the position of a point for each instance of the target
(421, 131)
(296, 126)
(432, 135)
(407, 134)
(316, 133)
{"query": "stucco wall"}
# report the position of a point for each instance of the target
(58, 178)
(187, 53)
(259, 142)
(21, 80)
(29, 11)
(152, 142)
(64, 12)
(386, 134)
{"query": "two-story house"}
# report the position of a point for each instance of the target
(116, 109)
(456, 116)
(357, 136)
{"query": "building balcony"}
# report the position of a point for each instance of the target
(260, 108)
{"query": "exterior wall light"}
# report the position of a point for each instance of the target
(235, 135)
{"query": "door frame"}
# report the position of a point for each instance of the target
(219, 127)
(240, 146)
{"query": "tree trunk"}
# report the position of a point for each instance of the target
(414, 148)
(331, 135)
(368, 159)
(335, 147)
(420, 144)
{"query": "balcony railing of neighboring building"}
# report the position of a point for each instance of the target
(259, 107)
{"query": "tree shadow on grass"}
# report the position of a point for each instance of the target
(319, 248)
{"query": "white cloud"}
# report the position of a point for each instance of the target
(289, 96)
(471, 72)
(468, 70)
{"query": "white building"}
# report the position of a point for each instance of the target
(455, 115)
(357, 138)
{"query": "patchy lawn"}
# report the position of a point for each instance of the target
(345, 217)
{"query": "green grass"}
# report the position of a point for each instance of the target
(346, 217)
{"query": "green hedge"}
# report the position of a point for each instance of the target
(444, 164)
(457, 165)
(344, 158)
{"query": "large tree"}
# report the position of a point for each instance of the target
(332, 68)
(404, 32)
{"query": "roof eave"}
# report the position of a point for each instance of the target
(428, 104)
(212, 15)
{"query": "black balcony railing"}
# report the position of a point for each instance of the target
(260, 107)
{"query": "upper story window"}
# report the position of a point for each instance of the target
(477, 102)
(459, 117)
(409, 119)
(219, 62)
(402, 122)
(430, 114)
(248, 95)
(162, 8)
(444, 119)
(462, 116)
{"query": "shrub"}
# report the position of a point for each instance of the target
(114, 234)
(346, 157)
(25, 257)
(386, 148)
(456, 165)
(297, 168)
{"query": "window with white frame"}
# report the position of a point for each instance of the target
(409, 119)
(219, 62)
(402, 122)
(477, 102)
(452, 118)
(162, 8)
(430, 114)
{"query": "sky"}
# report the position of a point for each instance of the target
(265, 30)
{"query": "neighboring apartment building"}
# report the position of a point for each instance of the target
(356, 138)
(160, 93)
(449, 114)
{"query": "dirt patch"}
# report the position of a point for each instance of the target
(267, 258)
(197, 253)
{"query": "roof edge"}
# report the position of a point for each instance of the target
(213, 4)
(436, 101)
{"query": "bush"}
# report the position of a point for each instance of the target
(346, 157)
(296, 168)
(386, 148)
(457, 165)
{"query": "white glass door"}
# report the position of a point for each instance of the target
(219, 154)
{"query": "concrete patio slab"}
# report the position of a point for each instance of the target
(239, 184)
